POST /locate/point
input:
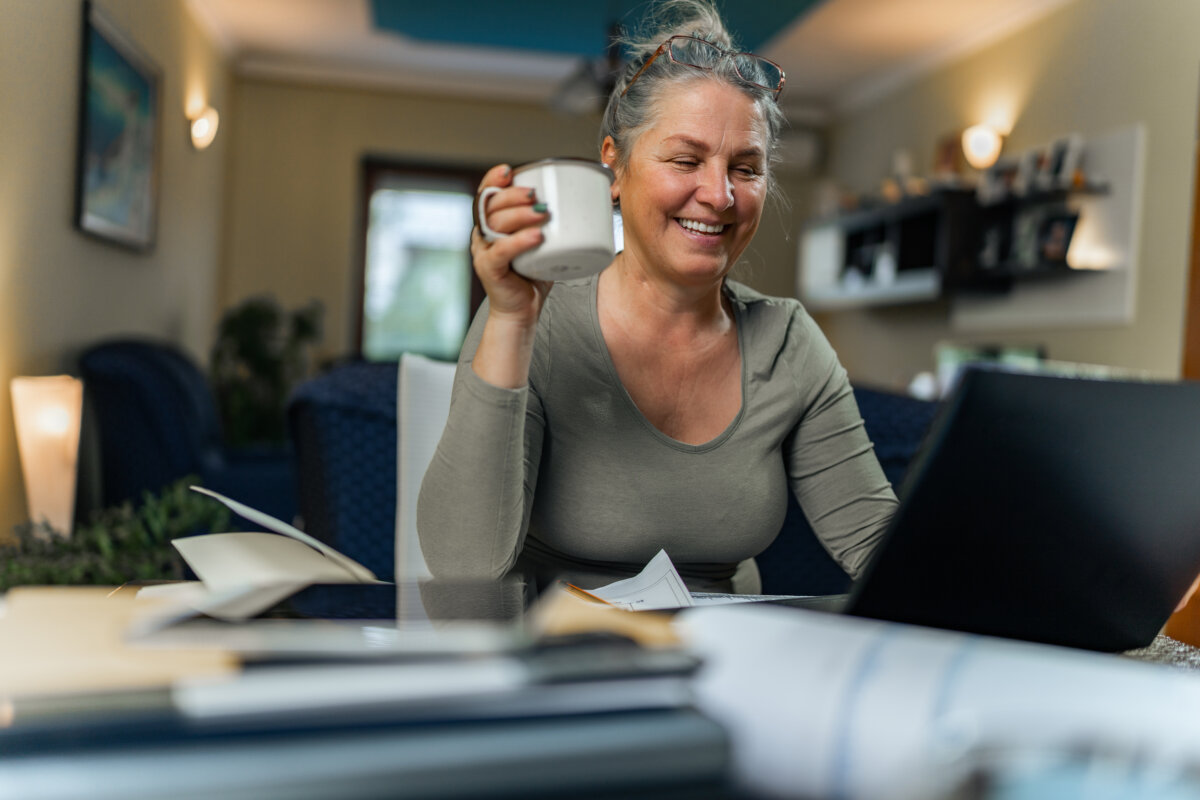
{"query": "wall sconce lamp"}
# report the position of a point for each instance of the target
(47, 411)
(981, 145)
(204, 127)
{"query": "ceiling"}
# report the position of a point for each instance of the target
(578, 28)
(837, 53)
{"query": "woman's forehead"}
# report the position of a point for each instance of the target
(705, 103)
(707, 122)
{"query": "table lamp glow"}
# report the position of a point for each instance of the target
(47, 411)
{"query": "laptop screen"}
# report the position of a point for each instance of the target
(1050, 509)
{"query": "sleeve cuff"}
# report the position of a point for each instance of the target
(496, 396)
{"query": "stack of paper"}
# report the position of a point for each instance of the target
(659, 586)
(655, 587)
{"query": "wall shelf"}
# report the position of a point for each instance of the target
(913, 286)
(1104, 252)
(996, 262)
(1013, 240)
(888, 254)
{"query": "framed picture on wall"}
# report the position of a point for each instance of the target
(116, 183)
(1054, 238)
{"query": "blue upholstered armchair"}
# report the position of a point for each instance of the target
(156, 422)
(344, 427)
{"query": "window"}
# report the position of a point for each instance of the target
(418, 289)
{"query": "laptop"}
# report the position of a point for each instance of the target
(1057, 510)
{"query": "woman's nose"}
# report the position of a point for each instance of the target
(715, 190)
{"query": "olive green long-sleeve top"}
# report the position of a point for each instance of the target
(566, 478)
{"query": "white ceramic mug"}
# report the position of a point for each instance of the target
(579, 232)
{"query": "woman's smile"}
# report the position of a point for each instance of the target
(705, 228)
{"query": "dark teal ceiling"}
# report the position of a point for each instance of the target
(570, 27)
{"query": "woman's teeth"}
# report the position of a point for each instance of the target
(700, 227)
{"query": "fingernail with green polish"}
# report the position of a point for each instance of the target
(539, 208)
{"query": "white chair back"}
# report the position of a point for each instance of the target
(423, 403)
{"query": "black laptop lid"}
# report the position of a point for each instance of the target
(1049, 509)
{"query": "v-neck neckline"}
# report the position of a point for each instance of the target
(611, 366)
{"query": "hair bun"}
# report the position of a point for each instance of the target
(699, 18)
(628, 113)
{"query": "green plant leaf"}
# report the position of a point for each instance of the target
(118, 544)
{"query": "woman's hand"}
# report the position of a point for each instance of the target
(516, 211)
(514, 302)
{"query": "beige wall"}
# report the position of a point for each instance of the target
(769, 264)
(1093, 66)
(60, 290)
(293, 191)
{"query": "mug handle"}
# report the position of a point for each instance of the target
(480, 204)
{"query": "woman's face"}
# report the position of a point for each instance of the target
(693, 187)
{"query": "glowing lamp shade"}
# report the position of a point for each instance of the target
(981, 145)
(47, 411)
(204, 127)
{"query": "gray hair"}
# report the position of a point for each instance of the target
(626, 118)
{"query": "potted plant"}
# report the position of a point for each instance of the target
(118, 545)
(260, 354)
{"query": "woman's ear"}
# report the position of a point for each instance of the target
(608, 154)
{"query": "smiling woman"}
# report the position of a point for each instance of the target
(658, 405)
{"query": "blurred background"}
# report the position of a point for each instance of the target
(350, 135)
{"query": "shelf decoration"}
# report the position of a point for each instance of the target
(1043, 238)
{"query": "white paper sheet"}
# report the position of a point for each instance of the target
(232, 604)
(186, 599)
(725, 598)
(243, 574)
(363, 574)
(226, 561)
(659, 586)
(655, 587)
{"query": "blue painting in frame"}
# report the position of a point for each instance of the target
(117, 170)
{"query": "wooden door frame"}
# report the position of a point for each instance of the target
(1184, 624)
(1191, 325)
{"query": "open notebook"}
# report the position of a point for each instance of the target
(243, 574)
